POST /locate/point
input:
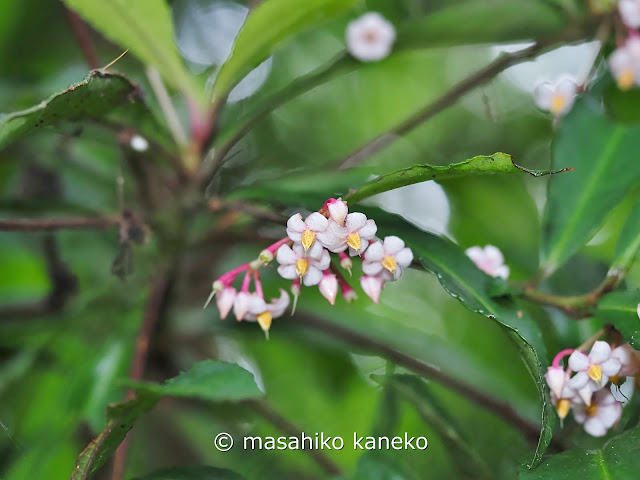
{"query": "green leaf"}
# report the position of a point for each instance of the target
(604, 156)
(192, 472)
(417, 392)
(120, 419)
(619, 458)
(460, 277)
(628, 242)
(145, 28)
(208, 380)
(265, 29)
(523, 20)
(97, 95)
(498, 163)
(620, 309)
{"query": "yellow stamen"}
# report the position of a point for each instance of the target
(302, 266)
(595, 373)
(615, 379)
(264, 320)
(625, 81)
(389, 263)
(557, 103)
(591, 410)
(354, 241)
(308, 237)
(563, 407)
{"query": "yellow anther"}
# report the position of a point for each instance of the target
(615, 379)
(308, 237)
(557, 103)
(563, 407)
(264, 320)
(591, 410)
(354, 241)
(389, 263)
(625, 81)
(302, 266)
(595, 373)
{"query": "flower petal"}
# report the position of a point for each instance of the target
(404, 257)
(393, 245)
(494, 255)
(285, 255)
(312, 277)
(316, 250)
(278, 306)
(371, 268)
(610, 367)
(594, 427)
(355, 221)
(288, 272)
(475, 254)
(323, 262)
(375, 252)
(599, 352)
(502, 272)
(369, 230)
(296, 224)
(542, 95)
(317, 222)
(578, 361)
(579, 380)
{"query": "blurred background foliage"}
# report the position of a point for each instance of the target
(72, 301)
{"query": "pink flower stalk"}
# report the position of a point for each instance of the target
(556, 376)
(345, 262)
(329, 286)
(348, 293)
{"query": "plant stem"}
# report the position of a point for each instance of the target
(494, 405)
(51, 224)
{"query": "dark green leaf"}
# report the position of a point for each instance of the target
(97, 95)
(460, 277)
(604, 156)
(192, 472)
(208, 380)
(620, 309)
(145, 27)
(268, 25)
(498, 163)
(417, 392)
(618, 459)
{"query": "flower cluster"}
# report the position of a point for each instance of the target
(624, 62)
(585, 387)
(489, 259)
(370, 37)
(558, 97)
(304, 256)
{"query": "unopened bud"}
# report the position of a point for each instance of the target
(266, 257)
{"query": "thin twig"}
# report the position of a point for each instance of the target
(281, 423)
(152, 312)
(83, 37)
(496, 406)
(473, 81)
(52, 224)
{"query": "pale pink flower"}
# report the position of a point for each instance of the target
(370, 37)
(630, 12)
(295, 264)
(355, 235)
(372, 286)
(556, 378)
(598, 417)
(305, 231)
(265, 313)
(225, 300)
(489, 259)
(624, 63)
(248, 303)
(629, 359)
(338, 210)
(387, 259)
(329, 287)
(558, 97)
(593, 370)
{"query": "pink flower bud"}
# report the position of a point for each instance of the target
(225, 300)
(337, 210)
(556, 379)
(329, 287)
(372, 286)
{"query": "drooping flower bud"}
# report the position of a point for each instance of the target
(372, 286)
(329, 287)
(225, 301)
(337, 210)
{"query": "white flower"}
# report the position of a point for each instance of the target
(138, 143)
(603, 413)
(372, 286)
(225, 300)
(355, 235)
(370, 37)
(630, 12)
(556, 98)
(624, 63)
(556, 378)
(329, 287)
(489, 259)
(305, 231)
(337, 210)
(594, 370)
(387, 259)
(629, 359)
(265, 313)
(295, 264)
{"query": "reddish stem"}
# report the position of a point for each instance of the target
(228, 278)
(273, 248)
(560, 356)
(246, 282)
(256, 282)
